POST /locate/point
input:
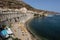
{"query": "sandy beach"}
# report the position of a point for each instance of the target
(29, 30)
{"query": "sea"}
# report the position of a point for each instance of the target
(46, 28)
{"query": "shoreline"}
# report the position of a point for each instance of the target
(27, 27)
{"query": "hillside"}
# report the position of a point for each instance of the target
(13, 4)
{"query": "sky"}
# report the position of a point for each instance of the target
(50, 5)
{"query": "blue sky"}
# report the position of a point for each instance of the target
(50, 5)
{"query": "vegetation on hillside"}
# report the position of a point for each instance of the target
(17, 4)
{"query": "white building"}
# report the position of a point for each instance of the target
(23, 10)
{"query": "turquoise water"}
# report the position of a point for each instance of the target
(47, 27)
